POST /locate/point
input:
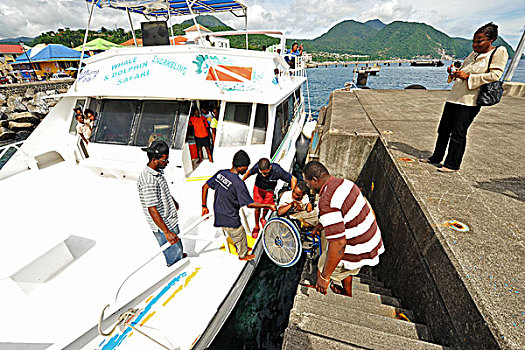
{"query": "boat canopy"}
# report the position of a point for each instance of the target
(159, 8)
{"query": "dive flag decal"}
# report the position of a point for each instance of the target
(230, 73)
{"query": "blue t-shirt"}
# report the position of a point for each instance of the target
(230, 195)
(269, 182)
(295, 53)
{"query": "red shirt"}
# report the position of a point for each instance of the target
(200, 126)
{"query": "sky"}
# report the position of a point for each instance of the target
(301, 19)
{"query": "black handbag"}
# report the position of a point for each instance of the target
(490, 93)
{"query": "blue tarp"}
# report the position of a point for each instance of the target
(177, 7)
(52, 52)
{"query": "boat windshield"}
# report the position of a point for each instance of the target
(138, 123)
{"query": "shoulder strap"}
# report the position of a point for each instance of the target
(490, 58)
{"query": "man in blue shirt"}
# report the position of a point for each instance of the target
(265, 182)
(230, 195)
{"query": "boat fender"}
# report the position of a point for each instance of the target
(301, 150)
(415, 87)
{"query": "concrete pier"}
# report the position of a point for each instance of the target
(465, 287)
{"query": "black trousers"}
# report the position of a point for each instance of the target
(452, 132)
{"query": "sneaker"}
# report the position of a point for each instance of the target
(248, 257)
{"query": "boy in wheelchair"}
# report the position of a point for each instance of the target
(295, 204)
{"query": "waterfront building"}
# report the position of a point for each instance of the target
(47, 60)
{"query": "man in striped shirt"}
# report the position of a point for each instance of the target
(157, 203)
(354, 239)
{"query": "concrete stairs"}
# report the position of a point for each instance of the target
(371, 319)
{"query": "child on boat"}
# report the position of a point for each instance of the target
(265, 182)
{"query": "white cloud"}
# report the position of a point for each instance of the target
(388, 11)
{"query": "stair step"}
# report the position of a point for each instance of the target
(371, 282)
(356, 335)
(311, 277)
(368, 271)
(354, 303)
(295, 339)
(371, 289)
(361, 295)
(357, 285)
(369, 320)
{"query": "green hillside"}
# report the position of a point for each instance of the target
(347, 36)
(205, 20)
(375, 23)
(373, 38)
(74, 38)
(397, 39)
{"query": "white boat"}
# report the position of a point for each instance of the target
(74, 238)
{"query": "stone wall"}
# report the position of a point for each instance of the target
(24, 106)
(343, 152)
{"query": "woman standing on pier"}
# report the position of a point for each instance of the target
(461, 108)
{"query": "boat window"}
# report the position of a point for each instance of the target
(236, 124)
(157, 122)
(73, 126)
(116, 120)
(291, 109)
(260, 125)
(281, 125)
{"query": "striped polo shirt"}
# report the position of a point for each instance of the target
(344, 212)
(154, 192)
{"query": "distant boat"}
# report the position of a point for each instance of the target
(438, 63)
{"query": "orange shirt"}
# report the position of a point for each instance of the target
(200, 126)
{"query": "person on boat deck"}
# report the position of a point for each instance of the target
(267, 176)
(213, 123)
(295, 51)
(83, 130)
(90, 118)
(207, 114)
(296, 204)
(231, 194)
(159, 207)
(202, 136)
(485, 64)
(348, 223)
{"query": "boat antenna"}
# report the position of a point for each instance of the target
(215, 76)
(246, 25)
(132, 29)
(169, 18)
(85, 40)
(515, 60)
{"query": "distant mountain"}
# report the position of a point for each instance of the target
(397, 39)
(205, 20)
(23, 39)
(375, 23)
(346, 36)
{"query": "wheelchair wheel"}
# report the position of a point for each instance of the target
(282, 242)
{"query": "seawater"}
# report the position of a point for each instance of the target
(323, 80)
(261, 315)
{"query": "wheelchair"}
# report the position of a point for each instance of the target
(284, 239)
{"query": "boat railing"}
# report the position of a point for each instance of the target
(182, 235)
(6, 154)
(299, 65)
